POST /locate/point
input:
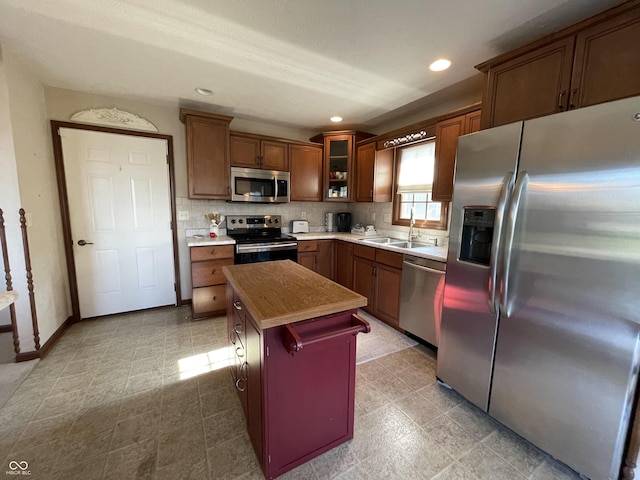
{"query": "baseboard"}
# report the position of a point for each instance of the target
(26, 356)
(6, 328)
(48, 345)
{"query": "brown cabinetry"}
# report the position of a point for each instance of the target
(374, 174)
(305, 164)
(207, 279)
(254, 151)
(377, 274)
(207, 138)
(317, 256)
(592, 62)
(339, 163)
(344, 263)
(447, 133)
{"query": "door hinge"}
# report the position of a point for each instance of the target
(269, 458)
(267, 351)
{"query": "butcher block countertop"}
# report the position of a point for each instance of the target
(282, 292)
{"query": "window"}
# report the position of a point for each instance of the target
(415, 168)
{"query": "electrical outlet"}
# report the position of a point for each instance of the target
(303, 215)
(183, 215)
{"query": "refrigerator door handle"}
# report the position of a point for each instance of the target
(521, 183)
(507, 186)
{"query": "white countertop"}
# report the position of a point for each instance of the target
(428, 251)
(209, 242)
(7, 298)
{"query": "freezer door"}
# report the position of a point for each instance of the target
(566, 356)
(465, 353)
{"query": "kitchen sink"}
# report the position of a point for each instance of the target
(394, 242)
(387, 240)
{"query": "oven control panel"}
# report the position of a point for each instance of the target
(253, 221)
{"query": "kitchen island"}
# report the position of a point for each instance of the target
(293, 336)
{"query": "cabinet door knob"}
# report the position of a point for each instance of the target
(213, 272)
(215, 298)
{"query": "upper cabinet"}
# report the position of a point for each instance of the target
(339, 163)
(374, 173)
(305, 162)
(447, 133)
(254, 151)
(595, 61)
(207, 137)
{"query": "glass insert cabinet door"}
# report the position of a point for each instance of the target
(338, 167)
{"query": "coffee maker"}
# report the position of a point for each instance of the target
(343, 221)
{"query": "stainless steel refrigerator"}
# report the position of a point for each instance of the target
(541, 314)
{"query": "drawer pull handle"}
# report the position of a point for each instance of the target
(237, 305)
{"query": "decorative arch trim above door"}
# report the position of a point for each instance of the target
(114, 117)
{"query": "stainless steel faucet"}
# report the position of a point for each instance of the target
(412, 221)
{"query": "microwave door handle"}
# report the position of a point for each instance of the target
(505, 304)
(275, 181)
(507, 186)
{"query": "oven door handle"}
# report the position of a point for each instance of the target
(266, 247)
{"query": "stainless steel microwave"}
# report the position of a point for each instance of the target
(259, 186)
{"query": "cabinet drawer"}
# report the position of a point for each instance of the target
(208, 299)
(364, 252)
(308, 246)
(211, 253)
(209, 272)
(389, 258)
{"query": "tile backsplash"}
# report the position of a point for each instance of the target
(377, 214)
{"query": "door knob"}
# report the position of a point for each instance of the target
(82, 243)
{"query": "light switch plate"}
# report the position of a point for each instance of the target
(183, 215)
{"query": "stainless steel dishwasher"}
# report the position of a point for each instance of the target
(421, 297)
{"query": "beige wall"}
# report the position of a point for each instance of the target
(29, 149)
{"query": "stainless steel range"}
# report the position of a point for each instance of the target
(260, 239)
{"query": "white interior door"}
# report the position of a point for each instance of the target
(119, 204)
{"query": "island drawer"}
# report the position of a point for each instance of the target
(209, 299)
(211, 253)
(209, 272)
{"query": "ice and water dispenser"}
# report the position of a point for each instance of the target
(477, 234)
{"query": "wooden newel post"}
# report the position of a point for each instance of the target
(27, 262)
(7, 278)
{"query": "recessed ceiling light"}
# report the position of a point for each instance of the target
(203, 91)
(439, 65)
(336, 119)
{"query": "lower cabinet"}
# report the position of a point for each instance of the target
(317, 256)
(297, 403)
(207, 279)
(344, 264)
(377, 274)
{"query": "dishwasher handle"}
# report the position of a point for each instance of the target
(294, 342)
(426, 269)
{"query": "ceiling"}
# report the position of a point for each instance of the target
(289, 62)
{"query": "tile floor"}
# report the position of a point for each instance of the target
(109, 403)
